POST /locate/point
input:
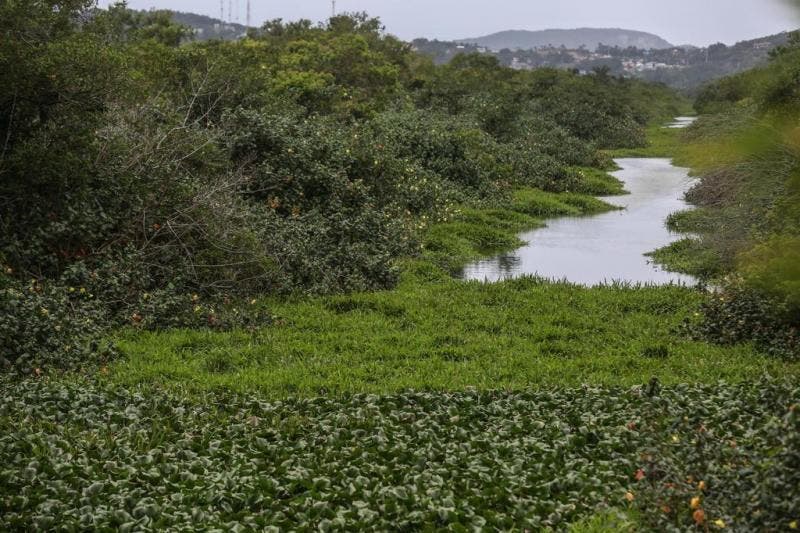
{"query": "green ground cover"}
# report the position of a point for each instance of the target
(82, 457)
(661, 142)
(449, 335)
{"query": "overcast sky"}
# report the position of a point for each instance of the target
(698, 22)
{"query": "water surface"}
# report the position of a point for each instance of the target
(607, 247)
(681, 122)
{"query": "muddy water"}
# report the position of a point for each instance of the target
(607, 247)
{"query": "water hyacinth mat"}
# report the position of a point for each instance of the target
(77, 456)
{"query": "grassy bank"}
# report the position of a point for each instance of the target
(449, 335)
(661, 142)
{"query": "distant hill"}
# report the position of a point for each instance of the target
(701, 65)
(590, 38)
(206, 28)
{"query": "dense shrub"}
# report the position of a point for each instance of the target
(740, 313)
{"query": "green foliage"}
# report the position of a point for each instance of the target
(46, 326)
(773, 268)
(84, 456)
(661, 142)
(300, 159)
(747, 154)
(740, 313)
(433, 332)
(542, 204)
(690, 256)
(612, 520)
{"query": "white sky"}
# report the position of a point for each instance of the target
(698, 22)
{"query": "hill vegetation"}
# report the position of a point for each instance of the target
(207, 28)
(683, 68)
(589, 38)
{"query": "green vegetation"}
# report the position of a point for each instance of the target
(79, 456)
(448, 335)
(661, 142)
(228, 266)
(688, 255)
(747, 228)
(301, 159)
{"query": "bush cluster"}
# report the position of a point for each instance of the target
(740, 314)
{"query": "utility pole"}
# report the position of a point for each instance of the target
(249, 14)
(222, 10)
(333, 8)
(230, 10)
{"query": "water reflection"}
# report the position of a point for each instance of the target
(607, 247)
(681, 122)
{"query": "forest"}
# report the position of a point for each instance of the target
(229, 294)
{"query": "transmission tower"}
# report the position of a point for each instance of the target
(222, 10)
(333, 8)
(249, 14)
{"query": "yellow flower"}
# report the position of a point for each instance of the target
(629, 496)
(701, 485)
(675, 438)
(720, 523)
(793, 524)
(695, 503)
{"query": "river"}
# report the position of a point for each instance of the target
(604, 248)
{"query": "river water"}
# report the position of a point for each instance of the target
(681, 122)
(608, 247)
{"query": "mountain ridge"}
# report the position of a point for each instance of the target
(569, 38)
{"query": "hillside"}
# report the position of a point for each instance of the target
(691, 68)
(207, 28)
(589, 38)
(684, 67)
